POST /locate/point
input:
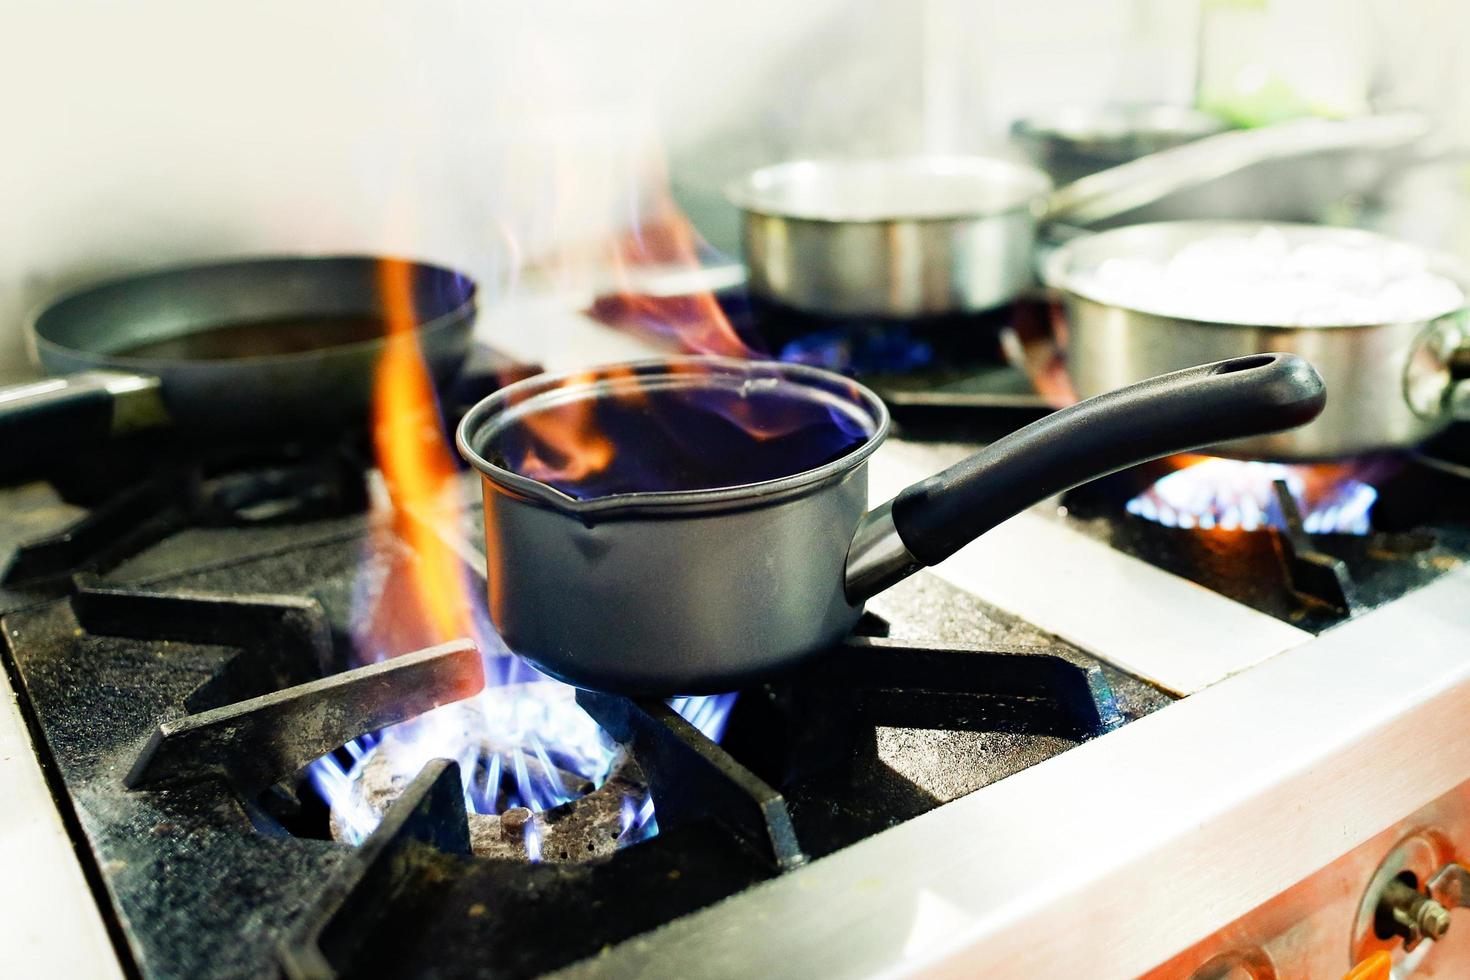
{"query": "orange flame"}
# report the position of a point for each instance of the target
(666, 238)
(663, 240)
(570, 432)
(1180, 461)
(413, 454)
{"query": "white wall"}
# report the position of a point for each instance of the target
(156, 131)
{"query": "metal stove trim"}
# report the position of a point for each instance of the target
(49, 921)
(1108, 859)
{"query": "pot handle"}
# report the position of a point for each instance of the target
(41, 421)
(1172, 413)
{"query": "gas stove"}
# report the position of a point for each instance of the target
(180, 685)
(1089, 744)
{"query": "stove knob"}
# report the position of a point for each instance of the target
(1405, 911)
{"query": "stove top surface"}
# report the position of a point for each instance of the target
(148, 669)
(186, 636)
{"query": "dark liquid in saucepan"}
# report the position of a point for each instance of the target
(260, 338)
(682, 439)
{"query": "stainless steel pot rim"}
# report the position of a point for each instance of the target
(1057, 271)
(1005, 187)
(142, 364)
(693, 370)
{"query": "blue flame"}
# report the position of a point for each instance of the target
(886, 349)
(521, 742)
(1240, 495)
(533, 841)
(517, 743)
(709, 715)
(639, 823)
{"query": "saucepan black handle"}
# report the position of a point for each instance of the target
(43, 421)
(1172, 413)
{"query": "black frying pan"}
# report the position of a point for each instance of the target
(258, 348)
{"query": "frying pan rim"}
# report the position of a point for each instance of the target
(676, 502)
(154, 365)
(740, 193)
(1056, 271)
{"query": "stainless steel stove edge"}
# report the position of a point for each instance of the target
(50, 924)
(1108, 859)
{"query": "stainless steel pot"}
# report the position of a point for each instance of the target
(933, 235)
(1389, 385)
(705, 590)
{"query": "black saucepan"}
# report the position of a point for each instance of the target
(257, 348)
(689, 525)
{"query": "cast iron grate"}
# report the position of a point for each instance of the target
(699, 788)
(174, 716)
(231, 489)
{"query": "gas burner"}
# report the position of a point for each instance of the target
(589, 823)
(541, 778)
(1212, 493)
(542, 781)
(521, 746)
(1295, 542)
(922, 351)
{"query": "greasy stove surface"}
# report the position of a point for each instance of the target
(210, 874)
(204, 878)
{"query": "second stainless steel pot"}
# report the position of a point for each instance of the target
(700, 590)
(1390, 385)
